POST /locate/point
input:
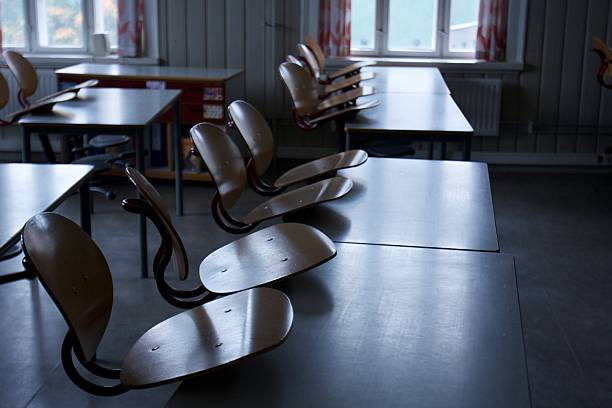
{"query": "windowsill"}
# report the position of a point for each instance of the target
(49, 60)
(444, 64)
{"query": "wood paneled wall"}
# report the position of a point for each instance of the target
(554, 106)
(248, 34)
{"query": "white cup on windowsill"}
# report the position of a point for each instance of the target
(100, 46)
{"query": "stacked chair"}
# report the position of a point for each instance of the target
(340, 84)
(338, 95)
(311, 107)
(319, 97)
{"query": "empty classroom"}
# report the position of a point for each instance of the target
(313, 203)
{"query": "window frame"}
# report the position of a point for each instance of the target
(32, 42)
(440, 37)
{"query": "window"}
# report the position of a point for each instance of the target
(434, 28)
(56, 25)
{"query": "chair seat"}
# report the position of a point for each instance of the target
(265, 256)
(344, 111)
(101, 162)
(321, 167)
(351, 68)
(104, 141)
(349, 82)
(345, 97)
(210, 336)
(301, 198)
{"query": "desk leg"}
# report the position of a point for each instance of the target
(85, 209)
(178, 160)
(442, 150)
(347, 141)
(431, 150)
(26, 146)
(142, 221)
(467, 147)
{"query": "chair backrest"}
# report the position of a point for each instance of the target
(223, 160)
(4, 92)
(317, 51)
(181, 262)
(295, 60)
(302, 87)
(75, 274)
(256, 133)
(311, 60)
(23, 71)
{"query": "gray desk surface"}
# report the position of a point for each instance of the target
(419, 203)
(107, 107)
(407, 80)
(411, 113)
(149, 72)
(386, 327)
(28, 189)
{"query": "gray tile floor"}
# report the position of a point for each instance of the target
(557, 226)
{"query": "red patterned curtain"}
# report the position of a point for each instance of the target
(0, 30)
(335, 27)
(492, 30)
(130, 30)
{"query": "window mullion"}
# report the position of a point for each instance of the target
(443, 27)
(382, 11)
(32, 27)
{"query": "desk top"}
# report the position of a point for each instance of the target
(417, 203)
(29, 189)
(386, 326)
(149, 72)
(411, 113)
(107, 107)
(407, 80)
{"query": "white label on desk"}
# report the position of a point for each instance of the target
(155, 85)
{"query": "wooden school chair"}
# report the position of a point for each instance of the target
(259, 140)
(309, 109)
(74, 272)
(261, 258)
(27, 80)
(321, 63)
(40, 105)
(605, 68)
(330, 87)
(228, 171)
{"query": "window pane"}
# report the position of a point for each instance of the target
(363, 24)
(105, 16)
(13, 23)
(412, 25)
(60, 23)
(463, 25)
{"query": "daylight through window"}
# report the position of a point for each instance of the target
(437, 28)
(56, 25)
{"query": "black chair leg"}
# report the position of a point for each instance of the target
(46, 145)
